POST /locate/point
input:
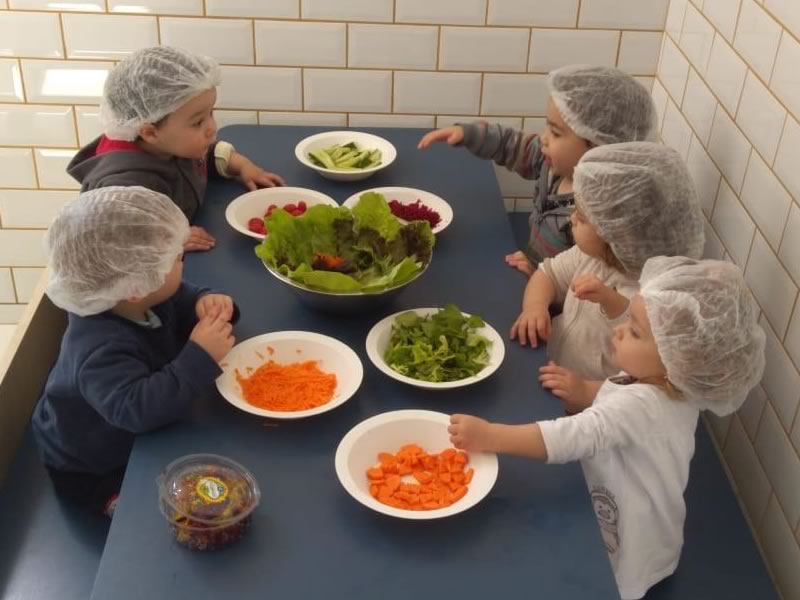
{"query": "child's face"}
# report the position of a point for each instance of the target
(561, 147)
(585, 236)
(189, 131)
(633, 348)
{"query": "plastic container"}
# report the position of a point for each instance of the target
(207, 500)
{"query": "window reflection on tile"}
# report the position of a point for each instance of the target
(74, 5)
(55, 81)
(10, 81)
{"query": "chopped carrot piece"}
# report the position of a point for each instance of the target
(375, 473)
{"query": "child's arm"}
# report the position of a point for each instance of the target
(588, 287)
(474, 434)
(187, 313)
(577, 394)
(250, 174)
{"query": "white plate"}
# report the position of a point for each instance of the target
(388, 432)
(290, 347)
(380, 334)
(253, 205)
(330, 138)
(406, 195)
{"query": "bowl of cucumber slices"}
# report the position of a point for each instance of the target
(345, 155)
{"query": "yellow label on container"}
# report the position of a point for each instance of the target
(212, 489)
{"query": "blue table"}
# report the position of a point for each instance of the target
(534, 536)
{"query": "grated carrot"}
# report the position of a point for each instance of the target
(287, 388)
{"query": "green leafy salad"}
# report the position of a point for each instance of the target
(441, 347)
(335, 249)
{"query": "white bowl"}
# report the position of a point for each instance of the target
(253, 205)
(406, 195)
(378, 341)
(330, 138)
(289, 347)
(388, 432)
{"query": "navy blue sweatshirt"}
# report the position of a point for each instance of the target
(115, 378)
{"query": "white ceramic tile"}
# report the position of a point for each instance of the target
(534, 125)
(524, 205)
(787, 12)
(732, 223)
(761, 117)
(553, 48)
(393, 46)
(729, 148)
(660, 97)
(65, 81)
(713, 248)
(647, 82)
(432, 93)
(675, 16)
(31, 208)
(676, 131)
(89, 126)
(748, 474)
(448, 120)
(484, 49)
(723, 14)
(72, 5)
(699, 106)
(510, 204)
(781, 380)
(781, 549)
(673, 69)
(51, 164)
(25, 282)
(228, 41)
(107, 36)
(16, 168)
(22, 248)
(347, 10)
(785, 165)
(346, 91)
(781, 463)
(751, 411)
(276, 9)
(766, 200)
(34, 35)
(259, 88)
(361, 120)
(757, 38)
(624, 14)
(719, 427)
(10, 81)
(725, 74)
(536, 13)
(786, 75)
(10, 313)
(771, 284)
(638, 51)
(156, 7)
(515, 94)
(7, 293)
(453, 12)
(36, 125)
(790, 246)
(302, 118)
(697, 38)
(792, 345)
(301, 44)
(235, 117)
(705, 175)
(511, 184)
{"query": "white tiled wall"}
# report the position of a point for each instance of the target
(732, 69)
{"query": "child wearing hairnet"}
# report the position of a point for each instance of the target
(159, 132)
(633, 201)
(587, 107)
(140, 345)
(691, 343)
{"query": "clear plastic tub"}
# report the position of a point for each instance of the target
(207, 500)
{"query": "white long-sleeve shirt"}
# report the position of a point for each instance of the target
(635, 444)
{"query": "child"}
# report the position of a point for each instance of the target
(633, 201)
(587, 107)
(140, 344)
(160, 133)
(691, 343)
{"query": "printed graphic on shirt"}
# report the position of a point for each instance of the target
(607, 513)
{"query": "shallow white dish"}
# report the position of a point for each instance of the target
(388, 432)
(406, 195)
(253, 205)
(378, 341)
(289, 347)
(331, 138)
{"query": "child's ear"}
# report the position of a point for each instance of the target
(149, 133)
(134, 299)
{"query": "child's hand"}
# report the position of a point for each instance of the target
(575, 393)
(199, 240)
(254, 177)
(520, 262)
(213, 334)
(215, 305)
(532, 325)
(588, 287)
(469, 433)
(452, 135)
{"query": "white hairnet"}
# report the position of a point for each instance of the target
(112, 244)
(602, 104)
(149, 85)
(704, 324)
(641, 200)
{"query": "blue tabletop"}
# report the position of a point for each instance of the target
(534, 535)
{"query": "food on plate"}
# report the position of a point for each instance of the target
(345, 157)
(416, 211)
(257, 225)
(287, 387)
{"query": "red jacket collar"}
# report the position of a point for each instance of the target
(106, 145)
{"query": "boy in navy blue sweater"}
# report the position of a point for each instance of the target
(140, 344)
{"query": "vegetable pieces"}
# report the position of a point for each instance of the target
(345, 157)
(416, 211)
(287, 388)
(437, 348)
(412, 479)
(257, 225)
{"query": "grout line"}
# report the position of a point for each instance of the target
(158, 29)
(14, 285)
(619, 48)
(63, 35)
(528, 60)
(578, 14)
(486, 13)
(253, 34)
